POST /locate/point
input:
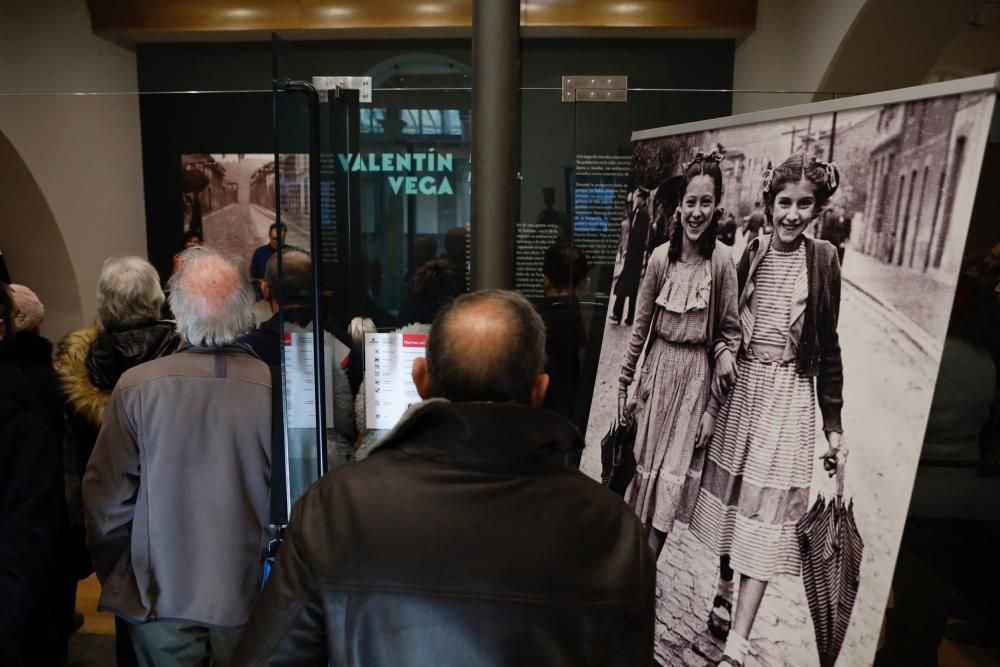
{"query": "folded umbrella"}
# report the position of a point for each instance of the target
(831, 548)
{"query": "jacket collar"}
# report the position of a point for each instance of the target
(500, 437)
(234, 347)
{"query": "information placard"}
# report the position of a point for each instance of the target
(389, 388)
(300, 379)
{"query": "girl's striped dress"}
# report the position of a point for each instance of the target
(755, 483)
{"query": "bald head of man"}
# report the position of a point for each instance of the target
(485, 346)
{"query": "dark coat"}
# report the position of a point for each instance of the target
(90, 361)
(30, 495)
(818, 343)
(635, 255)
(574, 330)
(33, 355)
(461, 540)
(48, 627)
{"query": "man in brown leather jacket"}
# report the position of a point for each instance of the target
(463, 539)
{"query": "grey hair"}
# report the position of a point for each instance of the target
(294, 286)
(128, 292)
(211, 299)
(493, 351)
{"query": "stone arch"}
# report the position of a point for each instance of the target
(33, 245)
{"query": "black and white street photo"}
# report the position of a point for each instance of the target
(781, 300)
(229, 201)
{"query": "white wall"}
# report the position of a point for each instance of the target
(790, 49)
(83, 154)
(860, 46)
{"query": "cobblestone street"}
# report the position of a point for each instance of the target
(240, 228)
(889, 380)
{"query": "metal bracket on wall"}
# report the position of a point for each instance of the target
(588, 88)
(362, 84)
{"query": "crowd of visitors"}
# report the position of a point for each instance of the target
(139, 449)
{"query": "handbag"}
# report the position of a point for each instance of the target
(618, 457)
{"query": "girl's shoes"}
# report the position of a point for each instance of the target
(720, 619)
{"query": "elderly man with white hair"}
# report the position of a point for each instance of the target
(177, 489)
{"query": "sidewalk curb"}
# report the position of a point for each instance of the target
(916, 334)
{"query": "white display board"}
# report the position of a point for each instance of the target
(300, 378)
(389, 388)
(903, 168)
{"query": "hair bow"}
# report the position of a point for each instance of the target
(702, 156)
(832, 176)
(768, 177)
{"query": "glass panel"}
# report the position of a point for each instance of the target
(395, 217)
(412, 171)
(309, 134)
(414, 180)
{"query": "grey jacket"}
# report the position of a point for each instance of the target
(178, 488)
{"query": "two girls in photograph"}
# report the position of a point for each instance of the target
(751, 483)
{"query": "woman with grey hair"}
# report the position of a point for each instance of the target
(89, 361)
(128, 332)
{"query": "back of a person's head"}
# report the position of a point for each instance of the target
(294, 285)
(424, 250)
(30, 310)
(486, 346)
(128, 293)
(210, 298)
(565, 266)
(455, 241)
(434, 284)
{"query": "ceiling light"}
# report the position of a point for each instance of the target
(241, 13)
(338, 11)
(429, 8)
(626, 7)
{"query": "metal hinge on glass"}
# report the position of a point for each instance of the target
(585, 88)
(362, 84)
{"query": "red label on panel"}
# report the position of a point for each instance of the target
(288, 338)
(414, 340)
